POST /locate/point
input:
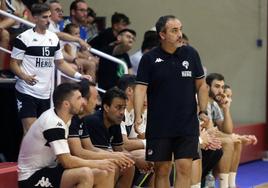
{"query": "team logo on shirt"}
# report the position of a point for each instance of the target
(185, 64)
(150, 152)
(59, 124)
(186, 73)
(158, 60)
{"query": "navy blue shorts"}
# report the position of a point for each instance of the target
(162, 149)
(29, 106)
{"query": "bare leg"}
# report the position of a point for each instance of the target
(4, 42)
(235, 164)
(125, 178)
(224, 164)
(103, 178)
(183, 173)
(26, 123)
(77, 177)
(162, 171)
(196, 172)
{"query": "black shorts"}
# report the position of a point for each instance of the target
(29, 106)
(162, 149)
(46, 177)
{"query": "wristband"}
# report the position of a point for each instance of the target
(144, 143)
(77, 75)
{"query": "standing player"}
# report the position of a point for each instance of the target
(33, 56)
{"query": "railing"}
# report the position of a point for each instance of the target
(92, 50)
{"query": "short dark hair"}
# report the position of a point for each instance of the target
(91, 13)
(214, 76)
(39, 8)
(127, 30)
(226, 87)
(112, 93)
(127, 80)
(69, 27)
(53, 1)
(119, 17)
(161, 22)
(73, 5)
(29, 3)
(85, 84)
(63, 92)
(151, 40)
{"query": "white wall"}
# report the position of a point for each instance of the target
(223, 31)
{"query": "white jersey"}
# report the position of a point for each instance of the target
(46, 138)
(37, 52)
(128, 123)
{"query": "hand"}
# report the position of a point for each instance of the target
(30, 79)
(209, 141)
(204, 118)
(144, 166)
(122, 160)
(84, 45)
(105, 164)
(86, 76)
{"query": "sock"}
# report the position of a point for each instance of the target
(232, 178)
(196, 185)
(223, 180)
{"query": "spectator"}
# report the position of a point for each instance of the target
(78, 16)
(32, 60)
(109, 72)
(105, 38)
(150, 41)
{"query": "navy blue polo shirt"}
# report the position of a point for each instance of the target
(77, 128)
(100, 136)
(172, 108)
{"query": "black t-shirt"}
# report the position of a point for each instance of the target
(109, 72)
(103, 39)
(102, 137)
(171, 91)
(77, 128)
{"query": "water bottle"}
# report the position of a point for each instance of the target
(210, 181)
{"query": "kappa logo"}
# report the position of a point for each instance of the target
(19, 104)
(158, 60)
(185, 64)
(59, 124)
(35, 40)
(43, 182)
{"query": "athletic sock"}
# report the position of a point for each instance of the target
(223, 180)
(196, 185)
(232, 179)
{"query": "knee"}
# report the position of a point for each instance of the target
(184, 167)
(162, 170)
(86, 175)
